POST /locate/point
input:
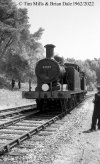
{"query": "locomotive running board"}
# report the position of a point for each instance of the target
(53, 94)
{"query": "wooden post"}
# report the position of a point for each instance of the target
(30, 85)
(62, 85)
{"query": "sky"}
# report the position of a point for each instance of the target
(74, 29)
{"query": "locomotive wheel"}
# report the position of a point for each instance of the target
(42, 105)
(81, 97)
(75, 100)
(71, 103)
(39, 104)
(63, 104)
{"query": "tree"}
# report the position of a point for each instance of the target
(13, 26)
(87, 67)
(18, 47)
(16, 66)
(37, 35)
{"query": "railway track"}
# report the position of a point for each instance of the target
(15, 111)
(14, 133)
(13, 115)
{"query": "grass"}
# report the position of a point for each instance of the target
(13, 97)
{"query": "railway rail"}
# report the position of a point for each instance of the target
(12, 111)
(11, 115)
(18, 130)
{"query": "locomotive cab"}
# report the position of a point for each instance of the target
(73, 76)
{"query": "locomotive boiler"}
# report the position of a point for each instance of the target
(49, 72)
(60, 86)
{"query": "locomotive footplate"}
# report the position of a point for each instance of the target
(53, 94)
(76, 92)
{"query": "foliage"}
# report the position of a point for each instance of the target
(15, 66)
(18, 47)
(91, 69)
(37, 35)
(13, 27)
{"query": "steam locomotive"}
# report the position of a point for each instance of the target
(60, 86)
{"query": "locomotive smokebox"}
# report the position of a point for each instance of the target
(49, 50)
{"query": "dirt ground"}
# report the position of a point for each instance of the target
(82, 147)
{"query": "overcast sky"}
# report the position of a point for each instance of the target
(74, 30)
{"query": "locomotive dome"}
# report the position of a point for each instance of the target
(47, 70)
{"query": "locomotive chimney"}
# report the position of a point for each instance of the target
(49, 50)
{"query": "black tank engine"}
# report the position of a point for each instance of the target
(60, 86)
